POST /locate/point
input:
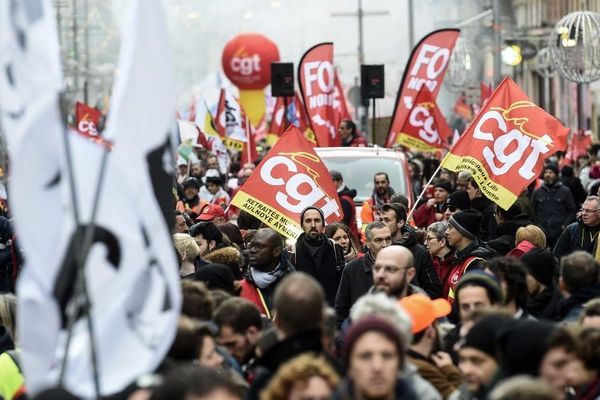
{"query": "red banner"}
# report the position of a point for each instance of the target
(340, 109)
(425, 128)
(505, 146)
(426, 67)
(316, 78)
(290, 178)
(462, 108)
(87, 119)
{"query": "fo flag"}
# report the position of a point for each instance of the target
(425, 128)
(426, 67)
(290, 178)
(317, 82)
(504, 147)
(87, 119)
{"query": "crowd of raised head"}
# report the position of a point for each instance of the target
(456, 299)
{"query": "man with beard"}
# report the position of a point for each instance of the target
(583, 234)
(268, 264)
(317, 255)
(357, 277)
(191, 203)
(382, 193)
(554, 205)
(433, 210)
(393, 271)
(394, 215)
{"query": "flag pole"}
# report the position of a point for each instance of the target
(248, 149)
(75, 304)
(414, 206)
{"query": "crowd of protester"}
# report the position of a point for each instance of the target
(460, 300)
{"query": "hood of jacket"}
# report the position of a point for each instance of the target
(347, 192)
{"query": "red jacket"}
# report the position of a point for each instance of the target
(424, 215)
(443, 267)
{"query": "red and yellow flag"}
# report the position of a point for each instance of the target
(505, 146)
(290, 178)
(425, 128)
(426, 67)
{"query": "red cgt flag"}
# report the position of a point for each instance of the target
(425, 128)
(426, 67)
(505, 146)
(290, 178)
(87, 119)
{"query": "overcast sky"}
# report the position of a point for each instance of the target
(201, 28)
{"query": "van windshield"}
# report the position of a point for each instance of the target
(358, 173)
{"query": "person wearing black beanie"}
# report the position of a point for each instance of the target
(470, 253)
(479, 362)
(544, 294)
(215, 276)
(457, 201)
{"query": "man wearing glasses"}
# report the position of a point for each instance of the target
(268, 264)
(357, 277)
(583, 234)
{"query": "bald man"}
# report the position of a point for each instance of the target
(393, 271)
(268, 264)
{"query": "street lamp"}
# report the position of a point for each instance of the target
(575, 46)
(464, 67)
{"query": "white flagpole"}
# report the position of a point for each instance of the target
(414, 206)
(248, 133)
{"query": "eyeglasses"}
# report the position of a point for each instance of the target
(259, 246)
(382, 240)
(430, 238)
(587, 211)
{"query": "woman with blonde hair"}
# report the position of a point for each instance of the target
(527, 238)
(305, 376)
(187, 251)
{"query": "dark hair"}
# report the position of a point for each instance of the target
(577, 270)
(332, 228)
(187, 381)
(239, 314)
(299, 291)
(248, 221)
(351, 125)
(588, 349)
(188, 342)
(398, 209)
(399, 198)
(387, 178)
(197, 302)
(208, 230)
(473, 182)
(186, 217)
(233, 233)
(512, 271)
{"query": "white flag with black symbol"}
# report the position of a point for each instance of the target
(130, 268)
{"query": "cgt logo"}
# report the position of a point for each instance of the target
(420, 117)
(88, 127)
(297, 190)
(244, 63)
(509, 140)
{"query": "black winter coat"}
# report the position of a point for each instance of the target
(577, 236)
(505, 234)
(488, 219)
(357, 278)
(426, 277)
(544, 305)
(554, 207)
(326, 266)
